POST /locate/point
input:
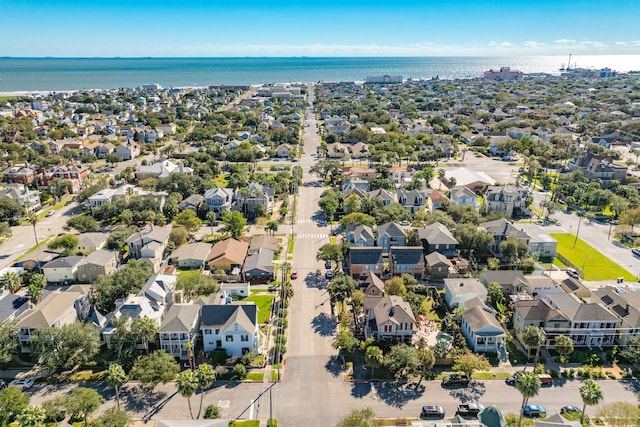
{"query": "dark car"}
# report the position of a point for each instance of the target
(636, 252)
(456, 380)
(511, 380)
(470, 409)
(432, 411)
(534, 411)
(568, 409)
(327, 264)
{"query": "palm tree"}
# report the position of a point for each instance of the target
(11, 282)
(116, 377)
(35, 293)
(591, 394)
(563, 345)
(531, 337)
(206, 376)
(528, 385)
(373, 357)
(145, 328)
(38, 280)
(211, 218)
(272, 226)
(187, 383)
(33, 220)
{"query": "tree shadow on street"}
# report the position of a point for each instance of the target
(315, 281)
(334, 365)
(144, 400)
(361, 389)
(324, 325)
(398, 393)
(473, 393)
(631, 385)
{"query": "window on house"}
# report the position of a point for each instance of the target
(217, 331)
(235, 326)
(229, 338)
(208, 331)
(244, 338)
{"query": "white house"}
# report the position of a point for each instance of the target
(233, 327)
(62, 269)
(388, 317)
(481, 328)
(218, 200)
(460, 290)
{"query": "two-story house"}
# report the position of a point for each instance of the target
(57, 309)
(20, 174)
(179, 327)
(218, 200)
(22, 195)
(254, 200)
(401, 175)
(624, 303)
(539, 313)
(388, 317)
(481, 328)
(457, 291)
(390, 234)
(436, 237)
(233, 327)
(128, 150)
(149, 244)
(463, 196)
(360, 235)
(501, 229)
(508, 199)
(102, 262)
(364, 260)
(62, 269)
(406, 260)
(412, 200)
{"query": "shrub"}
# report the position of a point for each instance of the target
(553, 373)
(611, 375)
(248, 358)
(211, 412)
(539, 370)
(219, 356)
(239, 371)
(282, 322)
(281, 338)
(282, 312)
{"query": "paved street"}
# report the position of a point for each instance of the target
(313, 392)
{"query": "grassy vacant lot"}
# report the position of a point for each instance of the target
(264, 305)
(596, 265)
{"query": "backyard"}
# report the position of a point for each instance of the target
(593, 264)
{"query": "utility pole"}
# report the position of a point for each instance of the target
(577, 232)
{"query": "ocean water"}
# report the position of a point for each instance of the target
(59, 74)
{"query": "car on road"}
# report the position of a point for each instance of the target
(456, 380)
(272, 288)
(569, 408)
(511, 380)
(636, 252)
(329, 274)
(534, 411)
(22, 384)
(405, 222)
(469, 409)
(327, 264)
(294, 275)
(51, 213)
(432, 411)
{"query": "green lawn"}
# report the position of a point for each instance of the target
(596, 266)
(264, 305)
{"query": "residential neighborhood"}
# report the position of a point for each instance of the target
(376, 226)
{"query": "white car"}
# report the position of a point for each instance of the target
(22, 384)
(51, 213)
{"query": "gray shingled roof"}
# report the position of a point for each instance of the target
(391, 229)
(502, 227)
(179, 318)
(406, 255)
(478, 318)
(437, 233)
(64, 262)
(219, 315)
(365, 255)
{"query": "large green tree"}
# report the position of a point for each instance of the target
(158, 367)
(341, 288)
(67, 242)
(234, 223)
(66, 346)
(189, 220)
(128, 280)
(11, 281)
(12, 401)
(402, 361)
(112, 417)
(8, 341)
(373, 357)
(81, 402)
(470, 362)
(360, 418)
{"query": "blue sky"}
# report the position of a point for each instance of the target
(318, 27)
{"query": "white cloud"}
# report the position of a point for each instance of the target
(533, 44)
(564, 41)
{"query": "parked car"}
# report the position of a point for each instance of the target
(22, 384)
(294, 275)
(405, 222)
(511, 380)
(573, 273)
(534, 411)
(51, 213)
(329, 274)
(327, 264)
(272, 288)
(469, 409)
(569, 409)
(545, 380)
(432, 411)
(636, 252)
(456, 380)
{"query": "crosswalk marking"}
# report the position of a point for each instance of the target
(312, 236)
(305, 221)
